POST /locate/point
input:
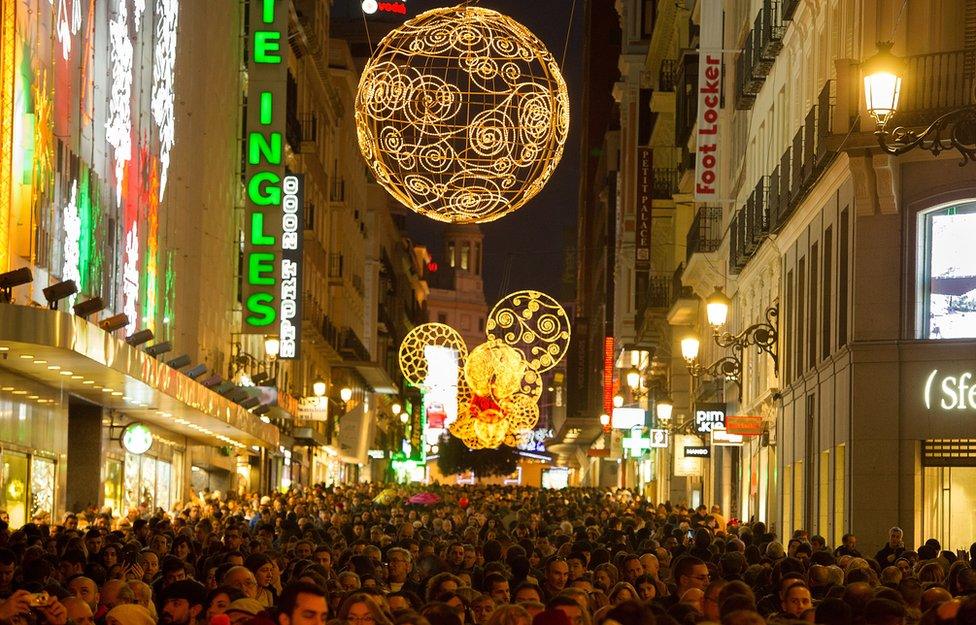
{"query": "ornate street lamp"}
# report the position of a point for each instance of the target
(605, 421)
(882, 88)
(618, 400)
(727, 366)
(664, 409)
(318, 388)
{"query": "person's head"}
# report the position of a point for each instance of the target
(646, 588)
(895, 536)
(481, 607)
(498, 588)
(243, 579)
(302, 604)
(796, 599)
(884, 612)
(129, 614)
(633, 568)
(509, 615)
(362, 609)
(690, 572)
(85, 589)
(8, 567)
(79, 612)
(262, 567)
(323, 556)
(570, 607)
(400, 564)
(527, 592)
(710, 600)
(622, 591)
(218, 599)
(182, 603)
(557, 573)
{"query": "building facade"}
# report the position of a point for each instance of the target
(851, 255)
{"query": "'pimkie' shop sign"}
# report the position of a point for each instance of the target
(273, 229)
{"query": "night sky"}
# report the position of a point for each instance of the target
(525, 249)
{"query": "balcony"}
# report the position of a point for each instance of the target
(750, 226)
(301, 133)
(705, 234)
(664, 183)
(762, 45)
(934, 84)
(686, 98)
(684, 302)
(668, 75)
(812, 150)
(335, 269)
(337, 192)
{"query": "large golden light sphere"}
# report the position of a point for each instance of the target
(462, 114)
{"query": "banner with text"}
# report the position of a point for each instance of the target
(709, 102)
(645, 185)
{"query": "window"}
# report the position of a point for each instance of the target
(465, 256)
(812, 321)
(801, 281)
(828, 249)
(450, 254)
(788, 343)
(840, 498)
(947, 280)
(842, 264)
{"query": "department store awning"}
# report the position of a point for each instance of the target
(66, 352)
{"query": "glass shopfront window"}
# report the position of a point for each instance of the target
(15, 470)
(947, 268)
(949, 505)
(148, 482)
(112, 487)
(28, 487)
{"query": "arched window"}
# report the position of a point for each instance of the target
(947, 271)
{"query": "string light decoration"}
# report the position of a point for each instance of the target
(413, 349)
(118, 129)
(500, 382)
(163, 95)
(462, 114)
(535, 324)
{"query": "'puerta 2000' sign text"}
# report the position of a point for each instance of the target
(273, 229)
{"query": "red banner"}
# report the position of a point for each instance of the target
(743, 425)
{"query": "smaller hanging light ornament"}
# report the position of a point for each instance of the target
(462, 114)
(499, 383)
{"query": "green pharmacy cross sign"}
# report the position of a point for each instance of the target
(273, 226)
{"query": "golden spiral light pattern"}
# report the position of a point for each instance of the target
(533, 323)
(462, 114)
(499, 383)
(413, 359)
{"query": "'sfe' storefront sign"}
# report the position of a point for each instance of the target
(273, 212)
(950, 392)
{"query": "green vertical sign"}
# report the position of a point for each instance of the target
(264, 166)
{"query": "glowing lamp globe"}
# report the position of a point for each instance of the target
(462, 114)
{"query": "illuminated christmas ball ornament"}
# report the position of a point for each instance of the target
(462, 114)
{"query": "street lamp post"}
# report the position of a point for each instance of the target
(764, 336)
(882, 88)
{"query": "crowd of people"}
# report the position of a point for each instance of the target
(476, 555)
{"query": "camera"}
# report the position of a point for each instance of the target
(39, 599)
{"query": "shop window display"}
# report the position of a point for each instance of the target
(948, 272)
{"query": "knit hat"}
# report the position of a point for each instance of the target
(193, 592)
(130, 614)
(245, 605)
